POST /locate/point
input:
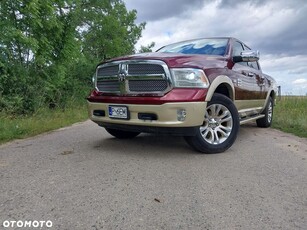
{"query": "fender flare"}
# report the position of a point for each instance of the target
(221, 79)
(270, 93)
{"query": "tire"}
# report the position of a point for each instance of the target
(266, 121)
(220, 128)
(122, 134)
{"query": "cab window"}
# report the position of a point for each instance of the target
(237, 49)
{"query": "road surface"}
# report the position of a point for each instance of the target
(80, 177)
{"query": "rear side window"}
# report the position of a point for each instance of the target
(253, 64)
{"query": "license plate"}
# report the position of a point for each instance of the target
(119, 112)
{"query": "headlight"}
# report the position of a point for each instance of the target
(188, 77)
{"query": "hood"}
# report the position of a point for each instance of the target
(176, 60)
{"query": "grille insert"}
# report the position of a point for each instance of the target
(145, 69)
(147, 85)
(108, 86)
(108, 70)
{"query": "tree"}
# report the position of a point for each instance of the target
(108, 29)
(26, 51)
(147, 49)
(48, 48)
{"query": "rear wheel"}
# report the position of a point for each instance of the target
(220, 127)
(122, 134)
(266, 121)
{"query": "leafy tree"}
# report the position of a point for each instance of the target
(48, 48)
(108, 29)
(147, 49)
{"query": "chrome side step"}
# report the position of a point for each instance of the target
(250, 118)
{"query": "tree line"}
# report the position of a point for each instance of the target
(49, 49)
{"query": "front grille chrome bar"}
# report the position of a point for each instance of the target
(134, 77)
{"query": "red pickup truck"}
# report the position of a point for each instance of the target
(201, 89)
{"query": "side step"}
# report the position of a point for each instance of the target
(252, 118)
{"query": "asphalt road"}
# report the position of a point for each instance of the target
(81, 178)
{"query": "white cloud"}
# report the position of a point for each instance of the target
(276, 28)
(288, 72)
(300, 81)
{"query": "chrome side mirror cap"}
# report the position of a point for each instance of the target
(247, 56)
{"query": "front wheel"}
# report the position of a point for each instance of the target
(220, 127)
(122, 134)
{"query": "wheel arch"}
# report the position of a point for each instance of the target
(223, 85)
(271, 94)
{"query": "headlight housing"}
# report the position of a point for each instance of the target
(189, 78)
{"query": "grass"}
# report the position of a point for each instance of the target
(290, 115)
(45, 119)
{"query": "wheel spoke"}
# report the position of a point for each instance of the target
(204, 132)
(216, 137)
(228, 118)
(223, 133)
(217, 110)
(211, 137)
(226, 129)
(213, 111)
(224, 114)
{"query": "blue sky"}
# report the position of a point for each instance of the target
(277, 28)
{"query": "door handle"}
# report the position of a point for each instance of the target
(250, 74)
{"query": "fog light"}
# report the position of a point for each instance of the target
(181, 114)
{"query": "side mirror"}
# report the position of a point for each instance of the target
(247, 56)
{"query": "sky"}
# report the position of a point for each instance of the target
(277, 28)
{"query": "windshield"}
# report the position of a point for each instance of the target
(202, 46)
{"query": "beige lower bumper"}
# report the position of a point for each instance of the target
(166, 114)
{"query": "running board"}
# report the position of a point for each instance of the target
(253, 118)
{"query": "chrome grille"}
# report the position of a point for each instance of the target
(147, 85)
(133, 77)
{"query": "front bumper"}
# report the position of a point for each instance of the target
(166, 114)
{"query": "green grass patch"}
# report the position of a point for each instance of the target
(290, 115)
(45, 119)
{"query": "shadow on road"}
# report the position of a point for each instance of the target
(159, 144)
(144, 144)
